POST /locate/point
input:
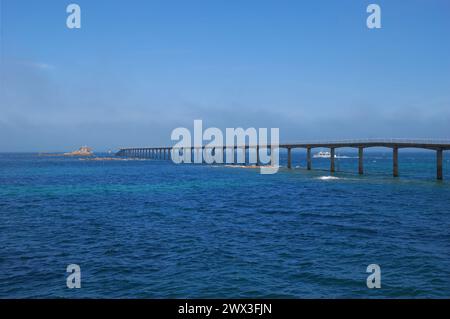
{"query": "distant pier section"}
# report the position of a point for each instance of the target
(439, 146)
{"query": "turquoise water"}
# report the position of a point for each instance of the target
(153, 229)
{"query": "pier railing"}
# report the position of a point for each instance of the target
(376, 140)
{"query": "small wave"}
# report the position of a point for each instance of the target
(327, 178)
(251, 166)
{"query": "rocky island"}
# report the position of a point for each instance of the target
(82, 151)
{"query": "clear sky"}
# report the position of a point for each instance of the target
(138, 69)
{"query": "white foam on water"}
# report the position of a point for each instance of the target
(327, 178)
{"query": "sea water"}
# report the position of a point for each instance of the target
(154, 229)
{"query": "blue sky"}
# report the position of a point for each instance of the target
(138, 69)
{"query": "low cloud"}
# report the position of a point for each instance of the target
(37, 65)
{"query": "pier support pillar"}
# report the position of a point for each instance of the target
(289, 163)
(272, 157)
(439, 156)
(395, 161)
(239, 151)
(361, 160)
(332, 168)
(224, 154)
(197, 155)
(257, 155)
(308, 158)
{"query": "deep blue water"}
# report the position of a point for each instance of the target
(154, 229)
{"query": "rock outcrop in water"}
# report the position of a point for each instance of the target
(83, 151)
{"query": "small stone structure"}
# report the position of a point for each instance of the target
(82, 151)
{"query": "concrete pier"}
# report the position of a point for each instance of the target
(289, 163)
(360, 160)
(439, 156)
(395, 161)
(395, 144)
(257, 155)
(332, 155)
(308, 158)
